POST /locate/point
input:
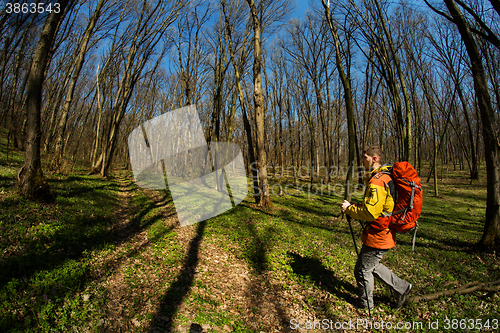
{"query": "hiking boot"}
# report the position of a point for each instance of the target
(403, 297)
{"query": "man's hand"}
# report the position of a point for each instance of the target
(344, 205)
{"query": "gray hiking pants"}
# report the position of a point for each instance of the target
(367, 266)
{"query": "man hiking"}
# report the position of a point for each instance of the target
(377, 238)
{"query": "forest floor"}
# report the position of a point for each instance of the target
(108, 256)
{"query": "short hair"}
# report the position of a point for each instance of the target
(376, 150)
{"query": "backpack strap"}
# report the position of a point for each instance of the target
(413, 186)
(390, 186)
(386, 214)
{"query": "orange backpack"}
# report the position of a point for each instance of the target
(409, 204)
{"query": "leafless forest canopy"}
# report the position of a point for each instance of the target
(116, 64)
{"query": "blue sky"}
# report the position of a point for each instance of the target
(300, 8)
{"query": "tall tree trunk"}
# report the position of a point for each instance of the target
(434, 140)
(263, 198)
(79, 61)
(232, 113)
(241, 97)
(30, 179)
(100, 102)
(349, 103)
(280, 138)
(474, 171)
(491, 234)
(328, 133)
(310, 124)
(291, 138)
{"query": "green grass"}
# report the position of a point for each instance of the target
(109, 256)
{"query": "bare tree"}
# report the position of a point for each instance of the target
(30, 178)
(152, 24)
(262, 198)
(348, 98)
(190, 52)
(491, 235)
(231, 16)
(374, 26)
(451, 54)
(77, 67)
(309, 49)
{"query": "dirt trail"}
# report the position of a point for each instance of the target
(135, 279)
(128, 297)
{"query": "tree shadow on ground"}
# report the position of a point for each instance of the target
(172, 300)
(447, 238)
(72, 241)
(289, 216)
(58, 254)
(324, 278)
(257, 252)
(257, 257)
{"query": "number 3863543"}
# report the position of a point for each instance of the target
(31, 8)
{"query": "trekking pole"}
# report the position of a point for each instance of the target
(414, 237)
(357, 255)
(352, 234)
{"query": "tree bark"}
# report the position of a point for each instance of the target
(263, 199)
(30, 178)
(241, 97)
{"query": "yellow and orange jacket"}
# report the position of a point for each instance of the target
(378, 199)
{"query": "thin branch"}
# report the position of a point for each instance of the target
(465, 289)
(489, 36)
(443, 14)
